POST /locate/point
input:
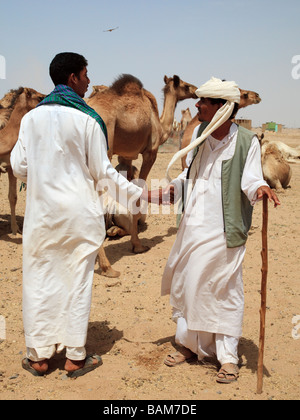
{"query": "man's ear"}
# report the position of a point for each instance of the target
(72, 79)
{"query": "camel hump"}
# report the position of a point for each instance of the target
(152, 101)
(126, 83)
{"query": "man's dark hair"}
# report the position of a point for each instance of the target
(64, 64)
(214, 101)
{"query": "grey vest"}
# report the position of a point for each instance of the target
(237, 210)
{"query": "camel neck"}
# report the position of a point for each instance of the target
(167, 115)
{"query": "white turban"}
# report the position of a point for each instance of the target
(214, 88)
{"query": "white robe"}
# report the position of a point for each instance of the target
(61, 155)
(202, 275)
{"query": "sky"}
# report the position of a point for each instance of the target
(253, 42)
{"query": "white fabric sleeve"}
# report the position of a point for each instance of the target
(252, 177)
(104, 174)
(18, 158)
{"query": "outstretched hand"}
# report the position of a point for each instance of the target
(163, 196)
(264, 190)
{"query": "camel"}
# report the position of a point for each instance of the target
(276, 170)
(134, 127)
(248, 97)
(22, 101)
(132, 118)
(290, 154)
(131, 115)
(186, 117)
(8, 99)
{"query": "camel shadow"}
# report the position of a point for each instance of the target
(100, 340)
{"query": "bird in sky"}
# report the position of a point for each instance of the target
(110, 30)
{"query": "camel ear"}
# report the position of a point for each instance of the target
(176, 80)
(166, 79)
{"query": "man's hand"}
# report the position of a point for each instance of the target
(162, 196)
(264, 190)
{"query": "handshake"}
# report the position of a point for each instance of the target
(164, 196)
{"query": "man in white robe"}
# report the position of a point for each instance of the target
(61, 154)
(203, 275)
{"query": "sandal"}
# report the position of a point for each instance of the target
(178, 357)
(27, 366)
(228, 373)
(89, 365)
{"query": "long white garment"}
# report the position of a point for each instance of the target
(205, 344)
(202, 275)
(61, 155)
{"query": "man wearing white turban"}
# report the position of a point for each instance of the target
(203, 274)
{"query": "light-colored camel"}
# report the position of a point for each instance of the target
(186, 118)
(291, 154)
(23, 100)
(133, 124)
(276, 170)
(248, 97)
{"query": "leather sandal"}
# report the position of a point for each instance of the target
(179, 357)
(228, 373)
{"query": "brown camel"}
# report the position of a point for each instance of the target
(132, 119)
(248, 97)
(134, 127)
(23, 100)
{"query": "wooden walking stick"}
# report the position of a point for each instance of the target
(264, 272)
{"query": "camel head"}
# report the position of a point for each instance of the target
(30, 98)
(186, 113)
(19, 100)
(248, 98)
(180, 89)
(98, 88)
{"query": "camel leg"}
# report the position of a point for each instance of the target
(137, 247)
(149, 158)
(105, 266)
(12, 197)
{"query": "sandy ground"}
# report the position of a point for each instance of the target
(130, 323)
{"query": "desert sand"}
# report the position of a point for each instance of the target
(130, 323)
